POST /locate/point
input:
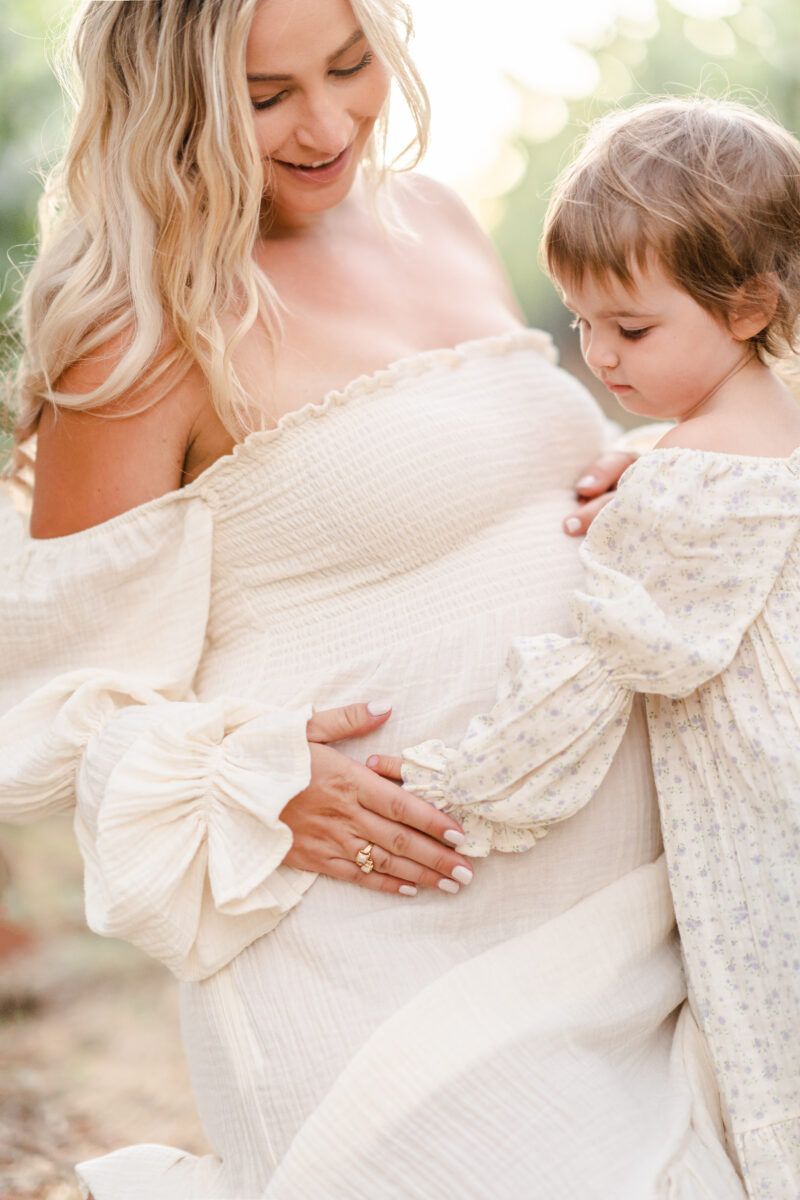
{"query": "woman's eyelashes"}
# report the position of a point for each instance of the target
(342, 73)
(258, 105)
(337, 73)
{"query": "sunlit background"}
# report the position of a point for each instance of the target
(513, 86)
(512, 83)
(508, 74)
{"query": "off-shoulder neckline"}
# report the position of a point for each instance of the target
(722, 455)
(382, 379)
(360, 387)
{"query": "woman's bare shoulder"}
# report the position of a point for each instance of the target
(439, 216)
(94, 465)
(423, 200)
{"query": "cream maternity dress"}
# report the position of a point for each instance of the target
(526, 1038)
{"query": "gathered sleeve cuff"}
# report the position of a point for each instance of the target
(177, 802)
(537, 757)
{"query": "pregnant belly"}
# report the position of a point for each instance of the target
(283, 1020)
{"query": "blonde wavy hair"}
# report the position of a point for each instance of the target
(710, 188)
(148, 224)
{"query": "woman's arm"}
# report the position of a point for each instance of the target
(91, 467)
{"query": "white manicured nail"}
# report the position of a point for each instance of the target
(454, 836)
(407, 890)
(378, 707)
(462, 874)
(572, 524)
(447, 885)
(586, 483)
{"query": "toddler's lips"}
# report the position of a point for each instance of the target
(322, 172)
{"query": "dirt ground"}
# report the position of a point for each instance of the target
(90, 1054)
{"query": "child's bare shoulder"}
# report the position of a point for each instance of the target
(754, 433)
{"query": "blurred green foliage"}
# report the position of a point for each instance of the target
(31, 128)
(31, 131)
(753, 53)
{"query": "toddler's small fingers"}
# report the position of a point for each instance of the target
(604, 473)
(387, 765)
(579, 521)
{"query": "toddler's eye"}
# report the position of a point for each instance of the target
(577, 323)
(633, 335)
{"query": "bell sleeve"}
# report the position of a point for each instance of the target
(177, 801)
(678, 567)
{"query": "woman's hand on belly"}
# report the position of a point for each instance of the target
(348, 809)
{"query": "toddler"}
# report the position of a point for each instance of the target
(675, 240)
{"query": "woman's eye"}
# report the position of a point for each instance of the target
(343, 73)
(339, 73)
(633, 335)
(271, 102)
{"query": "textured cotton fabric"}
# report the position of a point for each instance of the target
(692, 596)
(528, 1037)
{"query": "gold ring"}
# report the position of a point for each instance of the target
(364, 859)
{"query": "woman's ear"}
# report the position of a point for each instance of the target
(754, 307)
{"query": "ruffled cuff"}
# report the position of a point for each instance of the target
(179, 825)
(537, 757)
(425, 770)
(157, 1172)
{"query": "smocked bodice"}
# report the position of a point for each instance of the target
(390, 509)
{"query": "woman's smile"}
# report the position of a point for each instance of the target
(322, 171)
(315, 102)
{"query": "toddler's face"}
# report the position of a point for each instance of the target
(651, 344)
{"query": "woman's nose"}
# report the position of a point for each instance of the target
(325, 125)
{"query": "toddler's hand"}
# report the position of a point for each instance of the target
(595, 488)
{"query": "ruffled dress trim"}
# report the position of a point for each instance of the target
(177, 802)
(358, 389)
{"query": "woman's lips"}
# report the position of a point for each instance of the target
(324, 174)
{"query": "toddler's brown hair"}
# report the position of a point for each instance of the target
(708, 189)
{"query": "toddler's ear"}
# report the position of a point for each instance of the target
(754, 308)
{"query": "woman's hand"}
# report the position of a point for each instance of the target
(346, 807)
(595, 488)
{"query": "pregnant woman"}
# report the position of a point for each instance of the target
(295, 449)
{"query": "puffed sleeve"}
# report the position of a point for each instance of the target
(678, 567)
(177, 802)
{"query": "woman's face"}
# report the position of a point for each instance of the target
(316, 89)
